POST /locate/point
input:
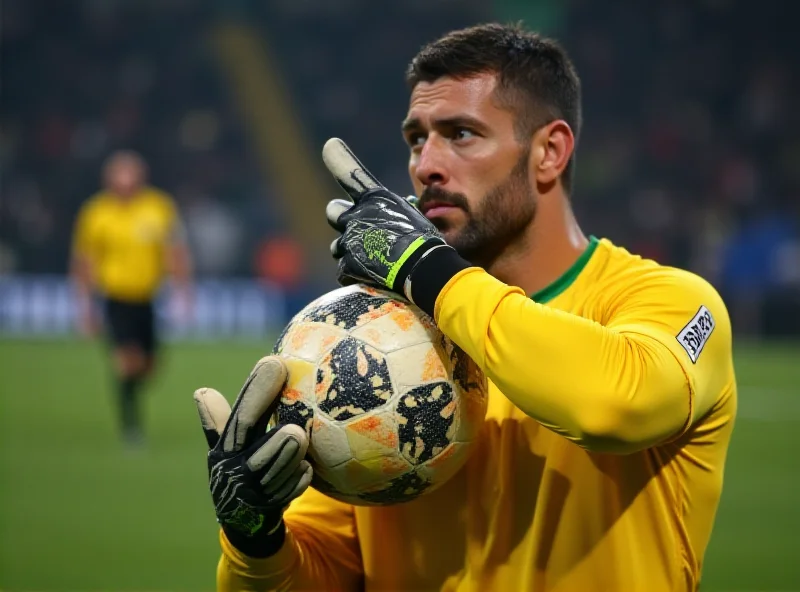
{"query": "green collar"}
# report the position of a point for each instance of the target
(547, 293)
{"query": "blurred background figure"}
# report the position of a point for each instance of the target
(689, 154)
(127, 239)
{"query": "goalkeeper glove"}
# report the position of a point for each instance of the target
(386, 241)
(253, 473)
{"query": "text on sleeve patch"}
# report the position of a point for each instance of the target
(694, 335)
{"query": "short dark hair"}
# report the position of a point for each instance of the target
(536, 79)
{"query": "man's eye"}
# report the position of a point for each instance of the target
(416, 140)
(463, 134)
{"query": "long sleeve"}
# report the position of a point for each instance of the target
(321, 552)
(619, 385)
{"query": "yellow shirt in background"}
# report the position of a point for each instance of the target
(600, 464)
(126, 241)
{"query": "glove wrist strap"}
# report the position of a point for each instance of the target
(407, 283)
(264, 543)
(430, 274)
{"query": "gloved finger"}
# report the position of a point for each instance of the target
(413, 200)
(348, 280)
(279, 455)
(274, 487)
(336, 248)
(294, 485)
(214, 412)
(343, 275)
(334, 209)
(255, 399)
(348, 171)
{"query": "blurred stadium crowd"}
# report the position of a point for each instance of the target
(689, 152)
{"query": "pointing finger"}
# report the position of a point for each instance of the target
(348, 171)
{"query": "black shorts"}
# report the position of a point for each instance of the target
(130, 323)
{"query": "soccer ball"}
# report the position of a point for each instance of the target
(390, 405)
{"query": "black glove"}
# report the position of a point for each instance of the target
(253, 473)
(385, 239)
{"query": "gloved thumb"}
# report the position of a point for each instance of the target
(334, 210)
(214, 412)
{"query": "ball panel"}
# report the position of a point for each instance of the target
(472, 411)
(328, 444)
(297, 412)
(372, 436)
(279, 343)
(352, 378)
(472, 388)
(399, 490)
(309, 341)
(300, 380)
(425, 416)
(354, 475)
(351, 309)
(417, 365)
(446, 465)
(472, 402)
(400, 485)
(400, 327)
(465, 372)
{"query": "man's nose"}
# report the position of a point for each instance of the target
(431, 169)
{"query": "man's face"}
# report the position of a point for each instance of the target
(125, 175)
(467, 167)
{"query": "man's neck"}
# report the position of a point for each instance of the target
(125, 195)
(546, 251)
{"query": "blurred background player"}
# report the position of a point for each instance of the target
(127, 239)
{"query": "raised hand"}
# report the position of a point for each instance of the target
(384, 236)
(253, 472)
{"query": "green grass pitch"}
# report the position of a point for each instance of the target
(78, 513)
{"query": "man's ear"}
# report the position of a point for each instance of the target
(553, 146)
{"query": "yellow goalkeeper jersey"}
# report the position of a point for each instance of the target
(600, 465)
(126, 241)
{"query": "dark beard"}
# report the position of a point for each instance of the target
(504, 214)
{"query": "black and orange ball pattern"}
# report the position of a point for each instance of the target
(391, 406)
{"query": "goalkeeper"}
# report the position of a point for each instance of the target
(613, 396)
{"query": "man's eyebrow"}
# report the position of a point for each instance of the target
(459, 121)
(411, 124)
(446, 122)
